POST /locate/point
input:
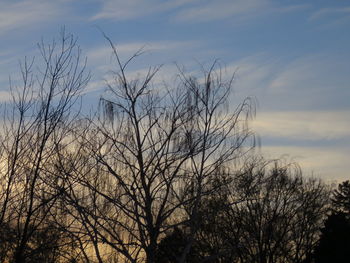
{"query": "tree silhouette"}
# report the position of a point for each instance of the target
(341, 198)
(334, 242)
(280, 213)
(36, 123)
(154, 176)
(171, 246)
(142, 167)
(264, 214)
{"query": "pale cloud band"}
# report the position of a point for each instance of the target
(327, 132)
(327, 163)
(304, 125)
(19, 14)
(190, 10)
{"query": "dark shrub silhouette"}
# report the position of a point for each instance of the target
(334, 244)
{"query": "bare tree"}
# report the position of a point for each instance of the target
(150, 155)
(275, 214)
(262, 214)
(36, 122)
(156, 159)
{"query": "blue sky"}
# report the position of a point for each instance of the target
(293, 56)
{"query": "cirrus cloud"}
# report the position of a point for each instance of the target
(19, 14)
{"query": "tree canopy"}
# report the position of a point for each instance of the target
(158, 174)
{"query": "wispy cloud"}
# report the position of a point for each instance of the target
(305, 71)
(123, 10)
(126, 49)
(328, 163)
(330, 12)
(331, 17)
(213, 10)
(304, 125)
(17, 14)
(102, 60)
(312, 81)
(252, 73)
(190, 10)
(5, 96)
(165, 76)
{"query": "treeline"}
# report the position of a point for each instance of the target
(161, 173)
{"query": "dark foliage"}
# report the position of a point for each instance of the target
(334, 244)
(341, 199)
(171, 247)
(261, 215)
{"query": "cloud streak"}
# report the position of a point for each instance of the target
(17, 14)
(5, 96)
(124, 10)
(214, 10)
(328, 163)
(128, 49)
(189, 10)
(345, 11)
(304, 125)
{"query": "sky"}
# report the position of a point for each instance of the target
(291, 56)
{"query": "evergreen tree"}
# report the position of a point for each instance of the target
(341, 199)
(334, 243)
